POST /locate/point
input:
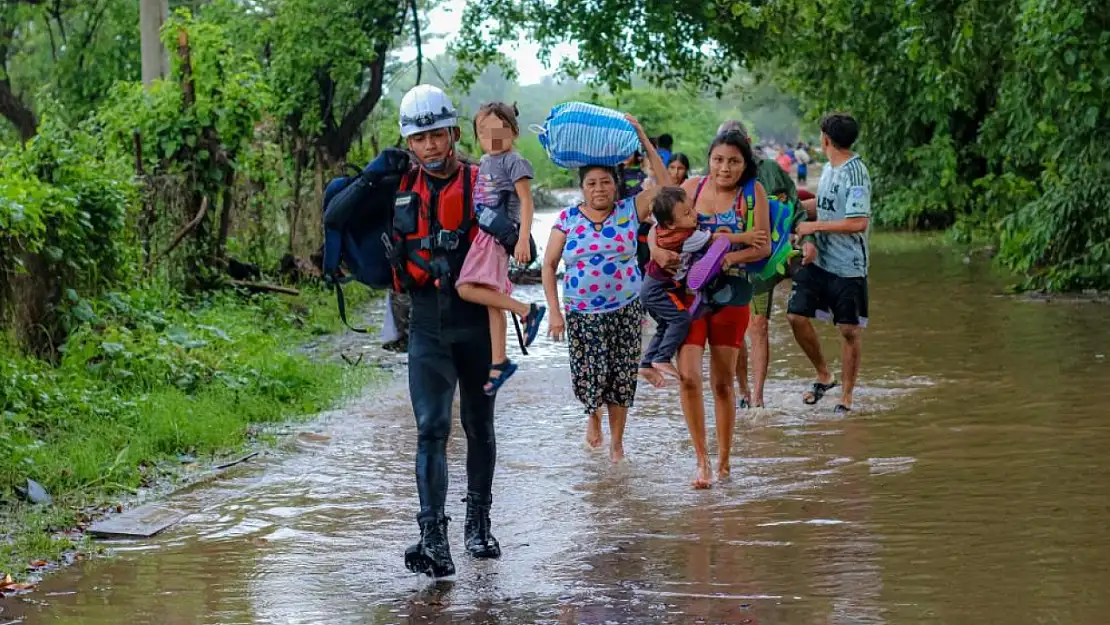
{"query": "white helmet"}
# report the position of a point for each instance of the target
(426, 108)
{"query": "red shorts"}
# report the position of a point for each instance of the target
(723, 328)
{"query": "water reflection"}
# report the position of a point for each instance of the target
(967, 488)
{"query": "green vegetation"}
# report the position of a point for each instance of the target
(986, 118)
(690, 115)
(145, 377)
(127, 339)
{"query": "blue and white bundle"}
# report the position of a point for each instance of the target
(576, 134)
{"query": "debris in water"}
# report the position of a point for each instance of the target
(144, 521)
(34, 492)
(9, 587)
(38, 564)
(236, 461)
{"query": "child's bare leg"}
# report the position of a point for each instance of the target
(478, 294)
(497, 328)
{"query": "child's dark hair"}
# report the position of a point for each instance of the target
(664, 203)
(739, 141)
(666, 141)
(841, 128)
(505, 112)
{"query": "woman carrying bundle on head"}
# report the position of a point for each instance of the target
(596, 240)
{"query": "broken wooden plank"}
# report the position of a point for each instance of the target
(142, 522)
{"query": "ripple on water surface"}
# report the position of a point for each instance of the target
(976, 448)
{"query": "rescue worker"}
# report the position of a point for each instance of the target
(431, 230)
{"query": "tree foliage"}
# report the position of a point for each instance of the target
(64, 201)
(978, 115)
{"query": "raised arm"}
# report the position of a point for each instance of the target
(659, 173)
(383, 173)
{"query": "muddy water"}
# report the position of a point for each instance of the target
(969, 487)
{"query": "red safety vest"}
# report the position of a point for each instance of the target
(445, 225)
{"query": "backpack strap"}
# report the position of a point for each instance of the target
(749, 203)
(341, 303)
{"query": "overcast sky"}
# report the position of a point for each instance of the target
(445, 21)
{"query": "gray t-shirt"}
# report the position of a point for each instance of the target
(844, 192)
(498, 173)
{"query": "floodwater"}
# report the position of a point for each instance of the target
(969, 487)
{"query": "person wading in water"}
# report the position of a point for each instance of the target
(449, 339)
(719, 201)
(833, 280)
(777, 184)
(600, 311)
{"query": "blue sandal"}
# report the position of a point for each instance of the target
(494, 382)
(532, 323)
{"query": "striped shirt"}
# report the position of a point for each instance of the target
(844, 192)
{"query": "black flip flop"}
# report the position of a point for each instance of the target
(841, 409)
(818, 391)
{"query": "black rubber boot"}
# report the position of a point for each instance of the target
(432, 555)
(479, 541)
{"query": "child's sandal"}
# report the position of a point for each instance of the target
(494, 382)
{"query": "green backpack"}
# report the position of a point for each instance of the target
(782, 224)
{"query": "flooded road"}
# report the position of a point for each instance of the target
(969, 487)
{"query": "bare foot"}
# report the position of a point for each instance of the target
(616, 454)
(652, 376)
(702, 480)
(723, 472)
(667, 368)
(594, 437)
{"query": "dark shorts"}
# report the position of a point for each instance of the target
(818, 293)
(763, 295)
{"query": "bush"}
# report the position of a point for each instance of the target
(63, 210)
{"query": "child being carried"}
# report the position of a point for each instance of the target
(663, 291)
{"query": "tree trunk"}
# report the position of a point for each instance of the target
(156, 63)
(34, 301)
(295, 211)
(11, 106)
(225, 217)
(337, 140)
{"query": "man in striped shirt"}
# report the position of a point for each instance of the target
(833, 279)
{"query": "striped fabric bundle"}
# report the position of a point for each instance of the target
(576, 134)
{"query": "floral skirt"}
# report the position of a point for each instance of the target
(605, 355)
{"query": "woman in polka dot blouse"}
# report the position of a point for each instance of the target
(596, 241)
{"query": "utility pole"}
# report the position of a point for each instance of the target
(152, 14)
